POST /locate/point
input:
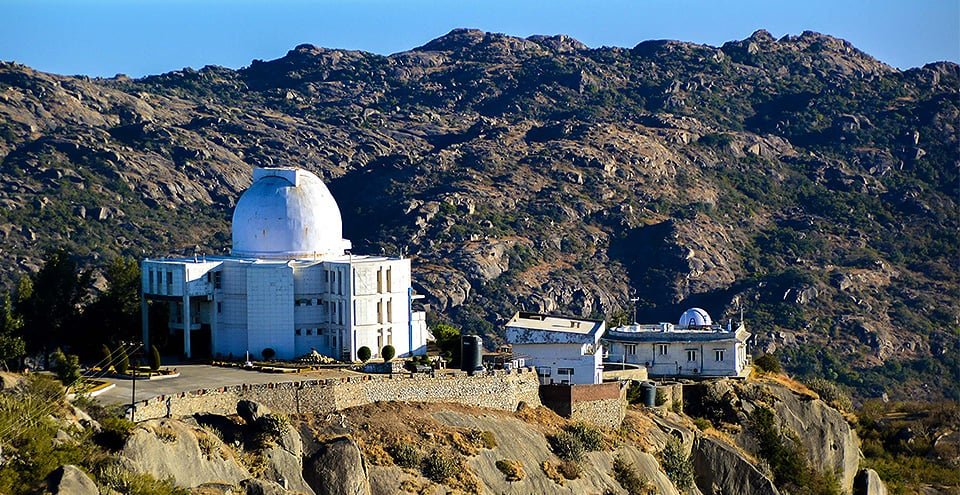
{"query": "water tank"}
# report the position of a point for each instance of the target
(648, 394)
(470, 348)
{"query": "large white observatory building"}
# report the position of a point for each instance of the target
(289, 284)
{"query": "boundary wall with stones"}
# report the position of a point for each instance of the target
(495, 389)
(603, 404)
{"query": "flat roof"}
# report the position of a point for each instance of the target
(346, 258)
(537, 321)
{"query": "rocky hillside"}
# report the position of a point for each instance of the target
(391, 448)
(798, 179)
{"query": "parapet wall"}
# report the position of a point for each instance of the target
(496, 389)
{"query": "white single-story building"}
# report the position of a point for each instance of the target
(563, 350)
(289, 284)
(695, 347)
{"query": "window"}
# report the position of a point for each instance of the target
(630, 349)
(217, 280)
(219, 307)
(389, 310)
(718, 353)
(298, 332)
(150, 278)
(309, 331)
(169, 282)
(389, 279)
(662, 349)
(565, 371)
(691, 355)
(544, 371)
(379, 311)
(380, 280)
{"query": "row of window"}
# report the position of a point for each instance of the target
(546, 371)
(155, 281)
(631, 350)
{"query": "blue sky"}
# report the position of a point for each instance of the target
(139, 37)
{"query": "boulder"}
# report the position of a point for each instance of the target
(70, 480)
(254, 486)
(337, 469)
(189, 455)
(251, 411)
(719, 468)
(868, 482)
(285, 469)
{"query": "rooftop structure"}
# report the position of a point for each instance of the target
(695, 346)
(564, 350)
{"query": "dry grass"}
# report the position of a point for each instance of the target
(784, 380)
(378, 427)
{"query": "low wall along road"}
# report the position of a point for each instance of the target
(496, 389)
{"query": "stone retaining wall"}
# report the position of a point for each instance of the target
(495, 389)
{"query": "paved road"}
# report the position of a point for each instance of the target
(193, 377)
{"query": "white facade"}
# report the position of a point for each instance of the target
(563, 350)
(297, 294)
(694, 348)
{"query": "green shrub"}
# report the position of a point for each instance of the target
(567, 446)
(120, 480)
(363, 354)
(66, 367)
(122, 361)
(106, 357)
(154, 358)
(589, 436)
(440, 466)
(661, 398)
(114, 432)
(405, 455)
(488, 440)
(570, 470)
(677, 465)
(268, 353)
(512, 469)
(702, 424)
(387, 353)
(831, 393)
(628, 477)
(768, 363)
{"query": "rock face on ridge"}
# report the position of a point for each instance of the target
(721, 469)
(189, 455)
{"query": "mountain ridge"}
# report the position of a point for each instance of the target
(798, 178)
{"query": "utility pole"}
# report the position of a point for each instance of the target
(133, 362)
(633, 300)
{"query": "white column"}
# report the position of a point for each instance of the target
(186, 325)
(145, 320)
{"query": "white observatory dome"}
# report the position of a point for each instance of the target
(695, 317)
(287, 213)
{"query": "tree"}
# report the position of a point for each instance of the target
(363, 354)
(387, 353)
(447, 338)
(106, 357)
(52, 302)
(122, 360)
(66, 367)
(115, 313)
(12, 345)
(154, 358)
